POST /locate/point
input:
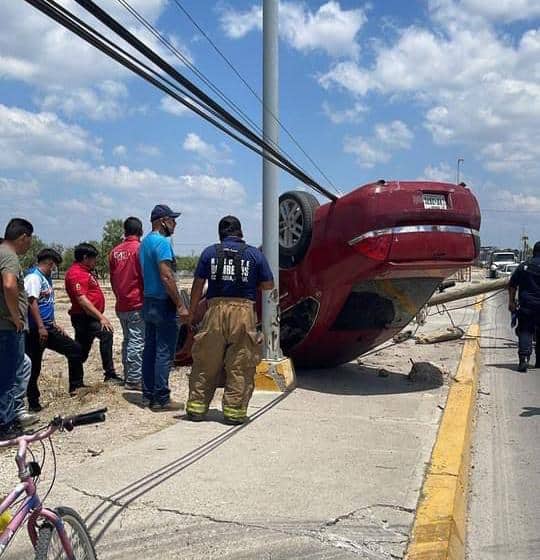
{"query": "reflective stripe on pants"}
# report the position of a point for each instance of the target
(226, 341)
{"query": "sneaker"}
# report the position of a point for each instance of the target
(146, 402)
(10, 431)
(234, 422)
(113, 379)
(27, 419)
(192, 417)
(73, 390)
(133, 387)
(169, 406)
(523, 364)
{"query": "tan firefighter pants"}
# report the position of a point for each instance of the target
(226, 341)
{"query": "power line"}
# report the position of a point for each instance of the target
(251, 89)
(205, 103)
(178, 54)
(231, 121)
(93, 37)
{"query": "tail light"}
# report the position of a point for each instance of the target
(376, 248)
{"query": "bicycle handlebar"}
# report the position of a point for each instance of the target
(93, 417)
(59, 423)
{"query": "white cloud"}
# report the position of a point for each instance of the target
(103, 102)
(64, 68)
(439, 173)
(475, 86)
(366, 153)
(395, 134)
(340, 116)
(18, 189)
(501, 10)
(195, 144)
(148, 150)
(119, 151)
(387, 138)
(330, 28)
(170, 105)
(41, 139)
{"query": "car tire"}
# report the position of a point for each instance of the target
(296, 217)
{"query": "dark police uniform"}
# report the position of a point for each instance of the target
(227, 338)
(526, 279)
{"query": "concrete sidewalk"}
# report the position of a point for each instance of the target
(332, 470)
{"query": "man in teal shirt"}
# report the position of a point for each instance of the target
(161, 308)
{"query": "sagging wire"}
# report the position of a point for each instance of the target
(89, 34)
(254, 93)
(225, 116)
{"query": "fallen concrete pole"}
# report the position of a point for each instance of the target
(468, 291)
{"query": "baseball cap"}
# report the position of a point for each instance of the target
(162, 211)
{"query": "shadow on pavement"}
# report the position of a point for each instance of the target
(530, 411)
(128, 494)
(354, 379)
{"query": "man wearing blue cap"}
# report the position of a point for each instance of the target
(161, 308)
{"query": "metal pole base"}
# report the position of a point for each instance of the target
(275, 375)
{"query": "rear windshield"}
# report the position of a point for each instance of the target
(503, 257)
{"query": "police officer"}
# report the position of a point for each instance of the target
(526, 281)
(227, 338)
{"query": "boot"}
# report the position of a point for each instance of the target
(523, 363)
(537, 363)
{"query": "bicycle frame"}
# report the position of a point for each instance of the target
(32, 508)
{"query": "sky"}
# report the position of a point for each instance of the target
(393, 90)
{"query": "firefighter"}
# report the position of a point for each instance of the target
(227, 339)
(526, 281)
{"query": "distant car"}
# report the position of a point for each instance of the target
(498, 260)
(508, 269)
(354, 272)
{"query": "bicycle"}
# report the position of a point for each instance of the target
(58, 534)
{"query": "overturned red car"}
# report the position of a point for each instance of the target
(354, 272)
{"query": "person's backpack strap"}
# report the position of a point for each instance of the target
(238, 265)
(220, 254)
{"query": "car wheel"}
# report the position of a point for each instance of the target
(296, 217)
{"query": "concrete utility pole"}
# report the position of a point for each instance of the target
(459, 162)
(270, 309)
(275, 372)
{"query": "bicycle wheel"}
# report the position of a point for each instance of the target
(49, 546)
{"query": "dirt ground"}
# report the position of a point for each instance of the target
(126, 419)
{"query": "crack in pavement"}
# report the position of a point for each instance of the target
(364, 547)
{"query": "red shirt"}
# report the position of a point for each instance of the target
(126, 275)
(80, 281)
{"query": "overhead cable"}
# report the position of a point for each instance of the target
(251, 89)
(185, 60)
(77, 26)
(52, 9)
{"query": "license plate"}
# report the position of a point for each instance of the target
(435, 202)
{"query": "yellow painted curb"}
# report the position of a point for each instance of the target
(440, 523)
(275, 375)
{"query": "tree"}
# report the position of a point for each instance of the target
(187, 263)
(113, 234)
(30, 258)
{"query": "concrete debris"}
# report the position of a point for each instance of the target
(451, 333)
(403, 336)
(426, 372)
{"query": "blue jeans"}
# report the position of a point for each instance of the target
(161, 333)
(22, 377)
(133, 344)
(11, 360)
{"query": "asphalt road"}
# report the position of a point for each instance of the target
(504, 516)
